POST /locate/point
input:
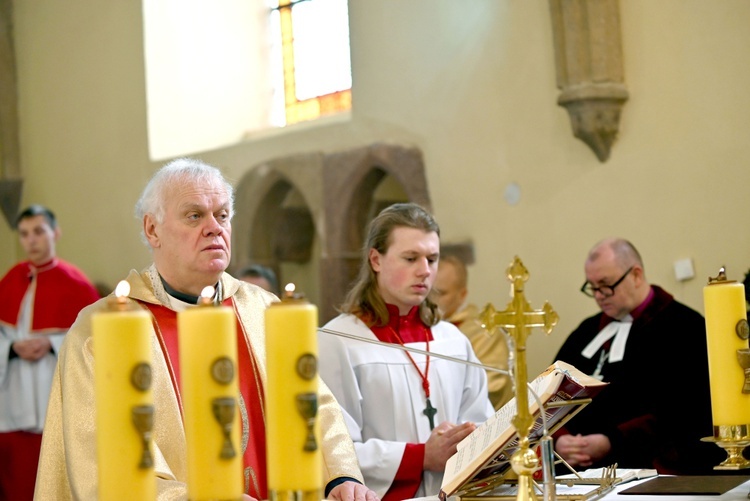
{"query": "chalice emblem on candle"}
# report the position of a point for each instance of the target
(222, 371)
(743, 357)
(307, 406)
(143, 420)
(223, 408)
(143, 415)
(307, 403)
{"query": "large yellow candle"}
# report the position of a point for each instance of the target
(292, 428)
(124, 403)
(724, 303)
(208, 379)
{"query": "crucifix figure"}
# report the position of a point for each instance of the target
(430, 412)
(518, 318)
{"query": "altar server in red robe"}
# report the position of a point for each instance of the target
(40, 298)
(406, 412)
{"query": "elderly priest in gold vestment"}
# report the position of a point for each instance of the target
(186, 212)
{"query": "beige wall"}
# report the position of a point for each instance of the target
(472, 84)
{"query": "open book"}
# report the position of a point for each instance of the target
(486, 452)
(594, 475)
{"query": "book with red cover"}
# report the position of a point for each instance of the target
(486, 452)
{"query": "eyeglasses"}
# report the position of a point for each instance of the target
(605, 290)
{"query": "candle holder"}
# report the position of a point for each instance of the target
(736, 437)
(733, 439)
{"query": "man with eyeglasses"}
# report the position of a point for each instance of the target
(652, 351)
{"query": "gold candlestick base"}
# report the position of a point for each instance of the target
(733, 439)
(294, 495)
(524, 463)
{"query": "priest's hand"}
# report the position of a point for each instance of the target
(583, 450)
(246, 497)
(352, 491)
(32, 349)
(442, 443)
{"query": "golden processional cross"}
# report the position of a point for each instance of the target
(517, 319)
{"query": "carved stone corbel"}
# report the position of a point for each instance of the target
(588, 61)
(10, 168)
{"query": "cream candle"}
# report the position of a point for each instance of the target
(209, 386)
(292, 430)
(124, 402)
(726, 331)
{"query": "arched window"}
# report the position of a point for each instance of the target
(222, 71)
(314, 50)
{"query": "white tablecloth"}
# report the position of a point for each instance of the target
(739, 493)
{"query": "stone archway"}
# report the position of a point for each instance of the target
(322, 229)
(276, 205)
(352, 179)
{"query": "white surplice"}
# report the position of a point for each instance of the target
(24, 384)
(382, 397)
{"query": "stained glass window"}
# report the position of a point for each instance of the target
(223, 71)
(312, 47)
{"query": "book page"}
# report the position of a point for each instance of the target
(623, 474)
(488, 448)
(497, 432)
(494, 426)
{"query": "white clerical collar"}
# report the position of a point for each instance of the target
(617, 329)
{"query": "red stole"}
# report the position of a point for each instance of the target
(61, 290)
(251, 390)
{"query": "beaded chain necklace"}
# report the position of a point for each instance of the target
(429, 410)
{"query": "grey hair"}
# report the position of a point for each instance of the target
(178, 171)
